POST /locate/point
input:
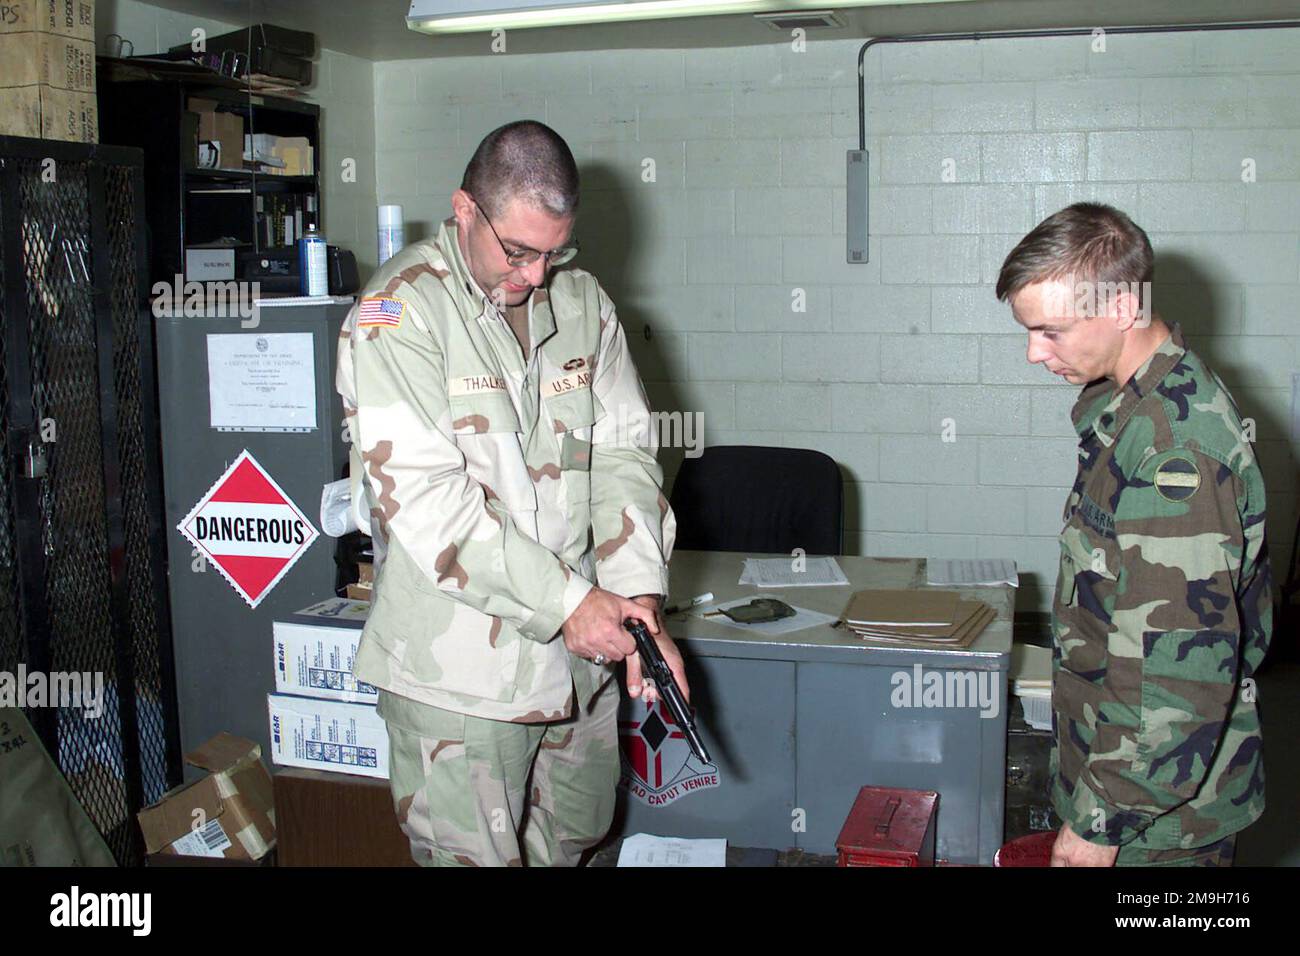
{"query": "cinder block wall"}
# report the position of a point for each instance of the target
(971, 145)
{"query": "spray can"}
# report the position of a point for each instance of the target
(392, 234)
(312, 262)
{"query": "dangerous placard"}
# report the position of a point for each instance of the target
(249, 528)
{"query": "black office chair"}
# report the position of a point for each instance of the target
(755, 499)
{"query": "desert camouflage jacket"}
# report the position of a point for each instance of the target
(500, 488)
(1163, 612)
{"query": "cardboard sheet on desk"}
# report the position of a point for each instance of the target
(903, 609)
(965, 611)
(963, 636)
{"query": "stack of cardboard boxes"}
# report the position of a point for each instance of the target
(328, 737)
(47, 70)
(322, 717)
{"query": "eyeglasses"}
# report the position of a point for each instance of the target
(518, 258)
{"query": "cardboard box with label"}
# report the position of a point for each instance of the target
(47, 113)
(20, 111)
(328, 735)
(32, 59)
(224, 129)
(65, 18)
(230, 813)
(315, 660)
(69, 116)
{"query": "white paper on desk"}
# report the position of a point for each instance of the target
(644, 849)
(781, 573)
(803, 618)
(984, 572)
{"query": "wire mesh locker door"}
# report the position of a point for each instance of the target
(91, 614)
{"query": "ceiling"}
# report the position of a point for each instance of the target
(376, 29)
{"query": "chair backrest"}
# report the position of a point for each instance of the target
(755, 499)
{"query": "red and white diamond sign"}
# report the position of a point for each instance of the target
(249, 528)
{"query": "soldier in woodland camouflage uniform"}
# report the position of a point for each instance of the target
(1163, 604)
(514, 496)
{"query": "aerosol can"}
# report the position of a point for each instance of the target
(312, 263)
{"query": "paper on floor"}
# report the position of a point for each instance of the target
(645, 849)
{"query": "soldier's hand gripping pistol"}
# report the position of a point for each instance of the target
(655, 667)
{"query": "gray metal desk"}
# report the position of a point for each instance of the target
(800, 722)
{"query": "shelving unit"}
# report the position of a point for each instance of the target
(145, 104)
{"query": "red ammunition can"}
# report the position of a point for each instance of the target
(889, 827)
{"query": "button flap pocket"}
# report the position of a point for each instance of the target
(1090, 552)
(484, 412)
(572, 410)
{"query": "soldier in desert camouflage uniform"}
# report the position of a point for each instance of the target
(1163, 605)
(514, 496)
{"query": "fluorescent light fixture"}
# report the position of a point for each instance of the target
(468, 16)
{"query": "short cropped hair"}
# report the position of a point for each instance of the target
(524, 160)
(1086, 242)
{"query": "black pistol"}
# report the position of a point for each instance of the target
(656, 668)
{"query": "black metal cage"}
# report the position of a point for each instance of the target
(82, 574)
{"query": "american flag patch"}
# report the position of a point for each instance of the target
(380, 312)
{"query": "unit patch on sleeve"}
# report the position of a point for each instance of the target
(1177, 479)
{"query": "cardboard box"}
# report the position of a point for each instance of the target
(315, 660)
(298, 157)
(220, 127)
(337, 611)
(337, 819)
(328, 735)
(34, 58)
(20, 111)
(69, 116)
(364, 589)
(294, 152)
(65, 18)
(49, 113)
(234, 805)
